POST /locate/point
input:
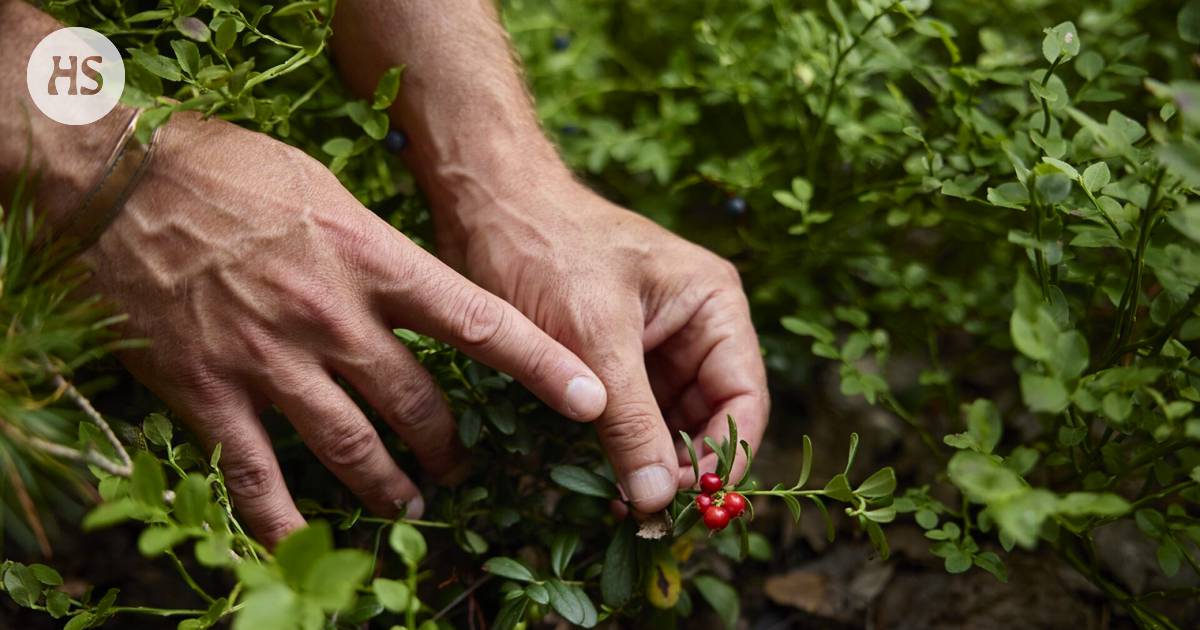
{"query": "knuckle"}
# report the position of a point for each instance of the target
(481, 318)
(274, 525)
(538, 365)
(417, 406)
(729, 272)
(250, 478)
(632, 427)
(317, 306)
(351, 445)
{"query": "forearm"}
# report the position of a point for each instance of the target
(63, 160)
(474, 136)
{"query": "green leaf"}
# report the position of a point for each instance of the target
(157, 429)
(852, 452)
(187, 54)
(192, 28)
(509, 568)
(225, 35)
(620, 567)
(1053, 188)
(46, 575)
(878, 485)
(406, 541)
(273, 607)
(562, 547)
(839, 488)
(1187, 221)
(299, 552)
(982, 478)
(470, 425)
(806, 464)
(1021, 516)
(1063, 167)
(387, 88)
(805, 328)
(1034, 333)
(335, 577)
(154, 541)
(1093, 504)
(1170, 557)
(80, 621)
(1096, 176)
(149, 483)
(511, 614)
(793, 506)
(1062, 41)
(191, 500)
(57, 603)
(156, 64)
(721, 597)
(583, 481)
(687, 440)
(1070, 356)
(538, 593)
(393, 594)
(21, 585)
(1189, 22)
(111, 513)
(566, 602)
(984, 424)
(338, 147)
(1089, 65)
(1042, 393)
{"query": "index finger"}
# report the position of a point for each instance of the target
(430, 298)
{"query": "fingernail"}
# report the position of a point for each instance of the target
(585, 398)
(412, 508)
(651, 487)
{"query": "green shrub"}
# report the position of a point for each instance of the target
(954, 187)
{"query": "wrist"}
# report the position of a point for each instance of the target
(62, 162)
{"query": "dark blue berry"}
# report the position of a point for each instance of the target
(571, 130)
(735, 206)
(395, 141)
(562, 42)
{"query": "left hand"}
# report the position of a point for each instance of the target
(663, 322)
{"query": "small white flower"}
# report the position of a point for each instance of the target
(1069, 37)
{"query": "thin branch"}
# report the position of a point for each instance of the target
(81, 401)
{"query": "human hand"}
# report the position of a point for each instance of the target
(259, 280)
(663, 322)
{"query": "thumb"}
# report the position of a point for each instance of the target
(632, 429)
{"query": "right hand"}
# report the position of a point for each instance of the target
(259, 280)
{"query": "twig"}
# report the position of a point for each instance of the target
(461, 596)
(83, 403)
(60, 450)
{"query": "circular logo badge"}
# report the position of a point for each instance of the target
(75, 76)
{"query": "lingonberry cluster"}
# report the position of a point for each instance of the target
(718, 506)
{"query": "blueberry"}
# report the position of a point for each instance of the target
(735, 206)
(562, 42)
(395, 141)
(571, 130)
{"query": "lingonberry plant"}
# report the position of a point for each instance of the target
(977, 220)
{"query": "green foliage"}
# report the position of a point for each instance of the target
(1000, 194)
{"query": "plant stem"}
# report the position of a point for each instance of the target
(814, 148)
(1045, 104)
(83, 403)
(187, 578)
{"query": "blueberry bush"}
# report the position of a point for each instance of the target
(977, 218)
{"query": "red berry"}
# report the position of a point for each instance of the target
(703, 501)
(710, 483)
(716, 518)
(734, 503)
